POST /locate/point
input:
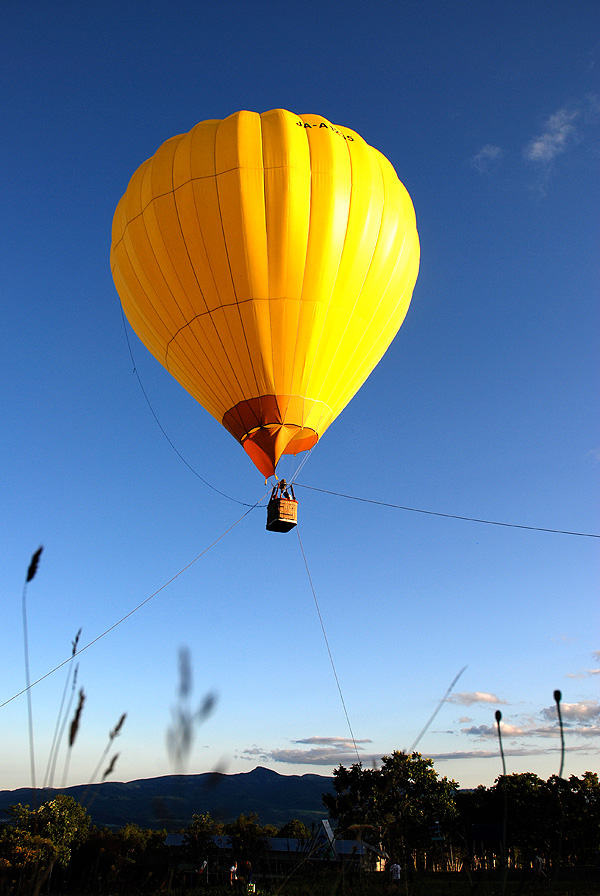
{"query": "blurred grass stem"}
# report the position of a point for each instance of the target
(55, 739)
(28, 686)
(65, 719)
(111, 736)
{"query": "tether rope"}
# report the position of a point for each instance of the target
(337, 681)
(449, 516)
(135, 609)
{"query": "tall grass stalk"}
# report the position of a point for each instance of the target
(557, 698)
(31, 571)
(498, 717)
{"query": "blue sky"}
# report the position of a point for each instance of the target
(485, 406)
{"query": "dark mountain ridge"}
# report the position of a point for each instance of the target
(170, 801)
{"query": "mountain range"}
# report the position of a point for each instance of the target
(170, 801)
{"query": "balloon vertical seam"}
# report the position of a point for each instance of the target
(219, 375)
(306, 380)
(217, 173)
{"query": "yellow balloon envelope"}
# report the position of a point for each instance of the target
(267, 261)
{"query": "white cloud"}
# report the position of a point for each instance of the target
(487, 158)
(483, 754)
(513, 751)
(492, 731)
(467, 698)
(326, 751)
(341, 743)
(566, 639)
(562, 130)
(520, 740)
(585, 673)
(559, 131)
(585, 713)
(581, 720)
(326, 757)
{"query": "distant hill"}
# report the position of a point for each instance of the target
(170, 801)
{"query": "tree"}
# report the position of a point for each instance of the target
(395, 804)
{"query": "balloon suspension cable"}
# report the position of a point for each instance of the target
(163, 430)
(297, 472)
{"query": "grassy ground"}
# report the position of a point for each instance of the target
(431, 885)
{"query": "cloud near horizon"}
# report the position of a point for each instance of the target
(585, 673)
(492, 731)
(328, 757)
(341, 743)
(330, 751)
(515, 751)
(467, 698)
(322, 759)
(586, 713)
(581, 720)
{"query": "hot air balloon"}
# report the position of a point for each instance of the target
(267, 261)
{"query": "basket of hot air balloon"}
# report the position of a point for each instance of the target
(267, 261)
(282, 509)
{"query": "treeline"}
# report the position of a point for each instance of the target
(55, 848)
(425, 821)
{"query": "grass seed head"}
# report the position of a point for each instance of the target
(76, 718)
(111, 766)
(34, 563)
(117, 729)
